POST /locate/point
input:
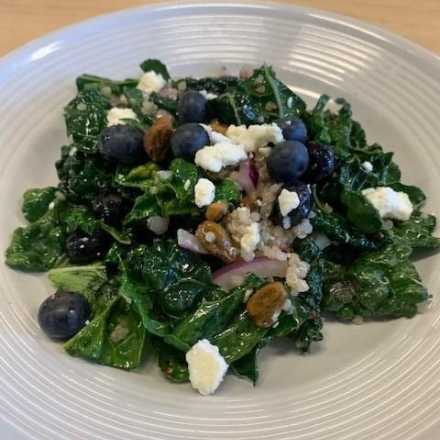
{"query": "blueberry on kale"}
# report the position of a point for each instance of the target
(192, 107)
(188, 139)
(288, 161)
(123, 144)
(63, 315)
(293, 129)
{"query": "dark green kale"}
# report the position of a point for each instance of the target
(36, 202)
(176, 280)
(141, 177)
(104, 86)
(227, 191)
(337, 229)
(164, 103)
(86, 280)
(212, 317)
(247, 366)
(115, 337)
(381, 284)
(135, 292)
(86, 117)
(83, 176)
(417, 231)
(239, 339)
(37, 247)
(216, 85)
(156, 66)
(260, 98)
(171, 362)
(169, 196)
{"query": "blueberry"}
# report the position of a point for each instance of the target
(82, 248)
(192, 107)
(111, 208)
(322, 162)
(293, 129)
(288, 161)
(188, 139)
(123, 144)
(305, 204)
(63, 314)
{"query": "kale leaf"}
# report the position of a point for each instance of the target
(141, 177)
(37, 247)
(227, 191)
(417, 231)
(144, 206)
(176, 278)
(164, 103)
(361, 213)
(142, 299)
(36, 202)
(83, 176)
(336, 228)
(381, 284)
(171, 362)
(115, 337)
(211, 317)
(86, 280)
(216, 85)
(247, 366)
(173, 195)
(260, 98)
(176, 195)
(156, 66)
(86, 117)
(239, 339)
(88, 82)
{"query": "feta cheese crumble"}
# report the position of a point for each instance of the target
(204, 192)
(255, 136)
(117, 115)
(296, 273)
(214, 136)
(206, 366)
(224, 154)
(389, 203)
(208, 95)
(151, 82)
(249, 241)
(287, 201)
(367, 166)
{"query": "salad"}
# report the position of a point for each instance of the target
(197, 220)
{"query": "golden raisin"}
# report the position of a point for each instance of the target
(216, 241)
(218, 126)
(266, 304)
(216, 211)
(157, 138)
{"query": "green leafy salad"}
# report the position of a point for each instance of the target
(197, 220)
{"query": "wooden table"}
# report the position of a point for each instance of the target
(23, 20)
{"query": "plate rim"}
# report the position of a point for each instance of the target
(363, 26)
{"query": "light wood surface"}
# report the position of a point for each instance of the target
(23, 20)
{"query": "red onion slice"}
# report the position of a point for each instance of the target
(189, 241)
(232, 275)
(246, 176)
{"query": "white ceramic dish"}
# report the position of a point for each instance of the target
(378, 380)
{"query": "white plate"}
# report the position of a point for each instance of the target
(378, 380)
